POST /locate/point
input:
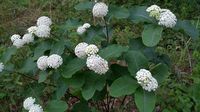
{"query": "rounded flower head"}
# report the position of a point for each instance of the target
(44, 20)
(167, 18)
(19, 43)
(100, 9)
(28, 103)
(80, 30)
(36, 108)
(15, 37)
(42, 63)
(154, 11)
(80, 50)
(97, 64)
(1, 67)
(28, 38)
(32, 29)
(146, 80)
(91, 50)
(86, 25)
(43, 31)
(54, 61)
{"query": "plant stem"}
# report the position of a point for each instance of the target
(107, 32)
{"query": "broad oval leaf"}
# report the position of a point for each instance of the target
(42, 76)
(58, 48)
(41, 48)
(84, 5)
(188, 28)
(8, 54)
(57, 106)
(93, 82)
(124, 85)
(112, 51)
(160, 72)
(151, 35)
(72, 67)
(118, 12)
(145, 101)
(136, 61)
(139, 14)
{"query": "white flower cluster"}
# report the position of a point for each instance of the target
(164, 16)
(167, 18)
(82, 29)
(146, 80)
(1, 67)
(97, 64)
(41, 30)
(94, 61)
(100, 10)
(29, 105)
(53, 61)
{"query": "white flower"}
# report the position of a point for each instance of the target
(146, 80)
(42, 63)
(28, 103)
(91, 50)
(80, 50)
(100, 9)
(86, 25)
(154, 11)
(15, 37)
(1, 67)
(153, 8)
(28, 38)
(167, 18)
(80, 30)
(54, 61)
(43, 31)
(97, 64)
(44, 20)
(32, 29)
(18, 43)
(36, 108)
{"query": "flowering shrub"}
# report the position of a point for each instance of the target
(93, 68)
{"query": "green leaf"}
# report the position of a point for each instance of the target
(93, 82)
(136, 61)
(56, 106)
(8, 54)
(188, 28)
(76, 81)
(136, 44)
(84, 6)
(42, 76)
(151, 35)
(61, 89)
(41, 48)
(79, 107)
(160, 72)
(29, 66)
(118, 12)
(58, 48)
(123, 86)
(72, 67)
(112, 51)
(139, 14)
(145, 101)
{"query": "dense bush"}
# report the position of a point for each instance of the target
(125, 41)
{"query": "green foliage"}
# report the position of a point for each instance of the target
(145, 101)
(73, 83)
(123, 86)
(151, 35)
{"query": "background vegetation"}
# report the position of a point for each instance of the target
(179, 93)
